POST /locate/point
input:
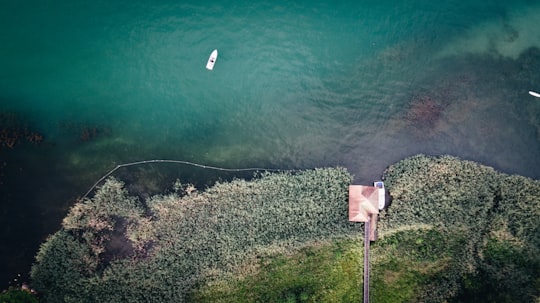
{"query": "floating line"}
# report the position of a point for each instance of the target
(180, 162)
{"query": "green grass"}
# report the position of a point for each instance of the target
(514, 268)
(320, 273)
(404, 264)
(410, 263)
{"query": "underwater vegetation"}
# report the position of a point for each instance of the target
(424, 112)
(84, 132)
(13, 131)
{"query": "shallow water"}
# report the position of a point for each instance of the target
(360, 84)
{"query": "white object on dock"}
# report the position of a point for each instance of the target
(537, 95)
(382, 193)
(212, 60)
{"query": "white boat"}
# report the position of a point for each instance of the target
(537, 95)
(212, 60)
(382, 193)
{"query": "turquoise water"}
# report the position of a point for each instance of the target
(360, 84)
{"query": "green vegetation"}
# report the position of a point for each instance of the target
(403, 263)
(17, 295)
(116, 248)
(484, 207)
(321, 272)
(409, 263)
(454, 229)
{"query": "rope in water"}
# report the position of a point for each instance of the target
(180, 162)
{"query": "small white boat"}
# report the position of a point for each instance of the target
(212, 60)
(537, 95)
(382, 193)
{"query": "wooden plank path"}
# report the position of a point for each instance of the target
(367, 236)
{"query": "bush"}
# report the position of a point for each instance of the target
(115, 248)
(454, 229)
(17, 295)
(479, 205)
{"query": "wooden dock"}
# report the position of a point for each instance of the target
(364, 205)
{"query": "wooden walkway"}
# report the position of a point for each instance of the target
(364, 205)
(366, 261)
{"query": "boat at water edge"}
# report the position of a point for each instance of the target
(382, 193)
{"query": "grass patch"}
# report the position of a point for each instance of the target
(409, 263)
(404, 264)
(513, 268)
(321, 273)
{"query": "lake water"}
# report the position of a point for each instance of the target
(360, 84)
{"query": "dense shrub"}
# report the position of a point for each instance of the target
(17, 295)
(115, 248)
(480, 206)
(453, 230)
